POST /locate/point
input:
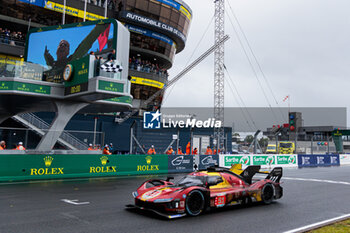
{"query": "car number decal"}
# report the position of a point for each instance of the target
(151, 194)
(220, 201)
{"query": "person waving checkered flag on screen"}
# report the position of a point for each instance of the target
(112, 66)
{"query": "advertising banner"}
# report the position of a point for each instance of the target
(283, 160)
(147, 82)
(149, 33)
(318, 160)
(334, 160)
(180, 163)
(152, 23)
(306, 161)
(25, 87)
(344, 159)
(70, 11)
(34, 2)
(122, 99)
(51, 166)
(228, 160)
(141, 164)
(206, 161)
(263, 159)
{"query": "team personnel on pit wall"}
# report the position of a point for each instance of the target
(188, 148)
(208, 151)
(214, 153)
(195, 151)
(179, 151)
(106, 150)
(151, 151)
(91, 147)
(170, 151)
(20, 146)
(111, 148)
(2, 145)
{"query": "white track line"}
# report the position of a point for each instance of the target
(319, 224)
(317, 180)
(312, 180)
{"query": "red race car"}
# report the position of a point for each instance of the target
(202, 190)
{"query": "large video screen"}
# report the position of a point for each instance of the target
(55, 47)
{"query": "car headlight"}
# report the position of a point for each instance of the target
(162, 200)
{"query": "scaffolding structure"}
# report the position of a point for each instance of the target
(219, 72)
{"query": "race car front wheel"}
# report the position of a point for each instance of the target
(267, 193)
(195, 203)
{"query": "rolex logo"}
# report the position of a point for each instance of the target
(83, 65)
(148, 159)
(48, 161)
(111, 84)
(104, 160)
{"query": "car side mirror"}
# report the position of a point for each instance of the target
(169, 178)
(214, 180)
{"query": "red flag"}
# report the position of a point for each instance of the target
(103, 38)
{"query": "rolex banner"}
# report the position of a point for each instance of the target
(16, 167)
(141, 164)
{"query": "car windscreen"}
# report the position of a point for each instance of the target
(191, 181)
(286, 145)
(271, 147)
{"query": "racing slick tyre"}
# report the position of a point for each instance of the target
(267, 193)
(195, 203)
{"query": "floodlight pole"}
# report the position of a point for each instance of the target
(85, 6)
(106, 8)
(64, 13)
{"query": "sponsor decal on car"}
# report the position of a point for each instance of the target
(150, 194)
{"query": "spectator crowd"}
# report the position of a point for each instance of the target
(12, 38)
(146, 66)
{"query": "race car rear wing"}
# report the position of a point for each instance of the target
(275, 175)
(248, 173)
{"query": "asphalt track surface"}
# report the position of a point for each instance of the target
(310, 195)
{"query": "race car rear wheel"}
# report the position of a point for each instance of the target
(195, 203)
(267, 193)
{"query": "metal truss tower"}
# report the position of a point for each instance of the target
(219, 71)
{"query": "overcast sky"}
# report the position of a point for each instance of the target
(302, 47)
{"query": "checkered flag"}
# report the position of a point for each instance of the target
(111, 66)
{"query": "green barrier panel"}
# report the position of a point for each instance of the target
(15, 167)
(263, 159)
(142, 164)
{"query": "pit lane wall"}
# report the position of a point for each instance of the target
(24, 165)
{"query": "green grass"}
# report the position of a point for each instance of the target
(339, 227)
